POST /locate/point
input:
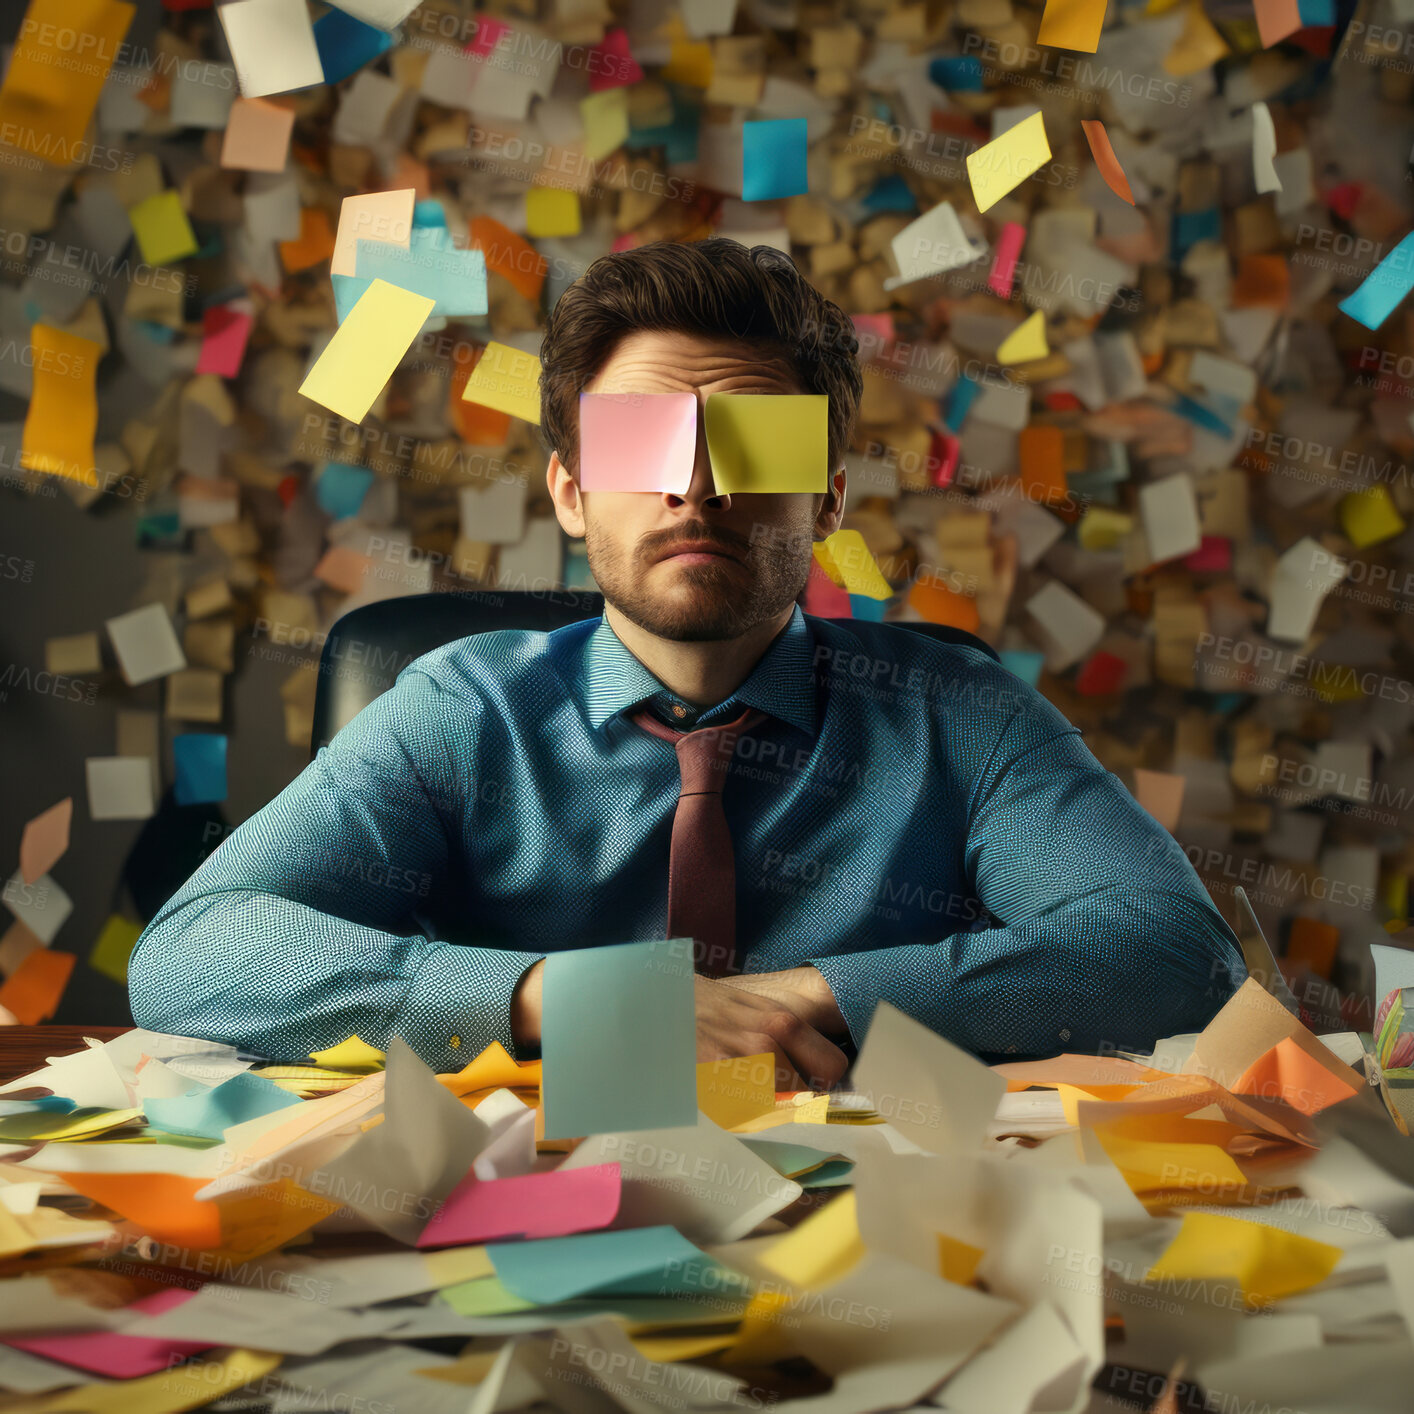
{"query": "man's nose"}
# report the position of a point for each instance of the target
(701, 493)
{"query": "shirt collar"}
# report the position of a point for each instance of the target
(612, 680)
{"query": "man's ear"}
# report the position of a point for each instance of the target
(565, 494)
(831, 512)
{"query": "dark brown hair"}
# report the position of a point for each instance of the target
(716, 287)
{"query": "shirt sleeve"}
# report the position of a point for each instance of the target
(1107, 938)
(303, 927)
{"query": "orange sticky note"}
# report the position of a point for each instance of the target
(31, 992)
(161, 1204)
(257, 137)
(1276, 19)
(475, 424)
(1288, 1074)
(45, 839)
(1262, 281)
(494, 1069)
(1161, 794)
(1105, 159)
(61, 60)
(1040, 454)
(1072, 24)
(509, 255)
(374, 216)
(315, 244)
(1313, 943)
(939, 603)
(342, 568)
(957, 1260)
(63, 409)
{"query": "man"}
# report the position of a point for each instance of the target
(902, 818)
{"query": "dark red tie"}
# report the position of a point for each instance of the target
(701, 869)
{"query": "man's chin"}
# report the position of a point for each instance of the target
(689, 613)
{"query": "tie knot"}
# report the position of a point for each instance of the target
(704, 754)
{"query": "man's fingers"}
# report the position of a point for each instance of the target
(819, 1060)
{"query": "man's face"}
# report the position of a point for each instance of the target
(698, 566)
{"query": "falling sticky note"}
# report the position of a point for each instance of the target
(551, 211)
(45, 840)
(593, 999)
(208, 1111)
(1266, 1262)
(637, 441)
(1370, 516)
(114, 946)
(1005, 162)
(145, 644)
(845, 557)
(532, 1205)
(164, 234)
(384, 216)
(200, 761)
(257, 136)
(1103, 152)
(1161, 795)
(1026, 342)
(119, 787)
(314, 244)
(1072, 24)
(352, 1053)
(1384, 287)
(773, 159)
(340, 489)
(345, 44)
(272, 46)
(930, 245)
(453, 276)
(1008, 250)
(225, 330)
(32, 991)
(1289, 1074)
(763, 442)
(63, 411)
(1264, 149)
(605, 117)
(507, 379)
(365, 350)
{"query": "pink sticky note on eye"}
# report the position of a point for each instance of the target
(637, 441)
(553, 1204)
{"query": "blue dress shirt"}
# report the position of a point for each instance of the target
(914, 820)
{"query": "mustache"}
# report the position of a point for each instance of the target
(651, 547)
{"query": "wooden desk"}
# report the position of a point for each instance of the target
(26, 1048)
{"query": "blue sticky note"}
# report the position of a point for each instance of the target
(961, 73)
(960, 401)
(1190, 227)
(428, 214)
(773, 156)
(340, 489)
(1316, 12)
(649, 1261)
(1026, 666)
(208, 1113)
(345, 44)
(156, 333)
(890, 194)
(1201, 415)
(161, 528)
(1384, 287)
(620, 1039)
(201, 767)
(861, 606)
(430, 266)
(679, 138)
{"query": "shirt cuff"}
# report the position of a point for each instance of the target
(459, 1002)
(858, 981)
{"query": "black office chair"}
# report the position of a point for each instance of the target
(367, 648)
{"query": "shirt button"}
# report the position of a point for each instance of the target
(455, 1043)
(679, 710)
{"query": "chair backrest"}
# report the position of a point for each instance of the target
(367, 648)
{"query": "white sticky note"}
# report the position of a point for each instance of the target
(1067, 627)
(1169, 509)
(1264, 149)
(145, 644)
(1303, 577)
(1222, 375)
(1003, 405)
(931, 245)
(202, 95)
(41, 906)
(495, 514)
(272, 45)
(119, 787)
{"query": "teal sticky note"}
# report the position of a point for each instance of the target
(430, 265)
(200, 759)
(1026, 666)
(647, 1261)
(620, 1039)
(208, 1113)
(773, 159)
(788, 1159)
(340, 489)
(1384, 287)
(861, 606)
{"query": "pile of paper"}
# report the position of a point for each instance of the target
(1228, 1218)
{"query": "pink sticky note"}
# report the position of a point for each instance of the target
(611, 63)
(637, 441)
(552, 1204)
(225, 330)
(1213, 556)
(488, 35)
(1009, 244)
(45, 839)
(1276, 19)
(114, 1353)
(823, 597)
(627, 241)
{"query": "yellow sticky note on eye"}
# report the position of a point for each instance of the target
(63, 408)
(114, 946)
(1026, 342)
(550, 211)
(1072, 24)
(1369, 516)
(352, 1053)
(605, 119)
(1007, 161)
(365, 349)
(163, 232)
(768, 441)
(855, 569)
(508, 380)
(1265, 1261)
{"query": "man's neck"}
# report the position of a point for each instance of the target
(702, 674)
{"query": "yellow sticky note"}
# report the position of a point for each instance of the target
(1026, 342)
(163, 232)
(1072, 24)
(1200, 46)
(1102, 528)
(1265, 1261)
(858, 571)
(730, 1092)
(1369, 516)
(494, 1069)
(551, 211)
(769, 442)
(352, 1053)
(63, 408)
(605, 119)
(365, 349)
(168, 1391)
(689, 62)
(957, 1260)
(114, 946)
(821, 1249)
(508, 380)
(1007, 161)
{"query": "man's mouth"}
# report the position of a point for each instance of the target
(699, 552)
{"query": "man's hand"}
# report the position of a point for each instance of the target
(802, 989)
(737, 1021)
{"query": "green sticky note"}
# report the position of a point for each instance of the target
(114, 946)
(483, 1296)
(768, 441)
(620, 1039)
(163, 232)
